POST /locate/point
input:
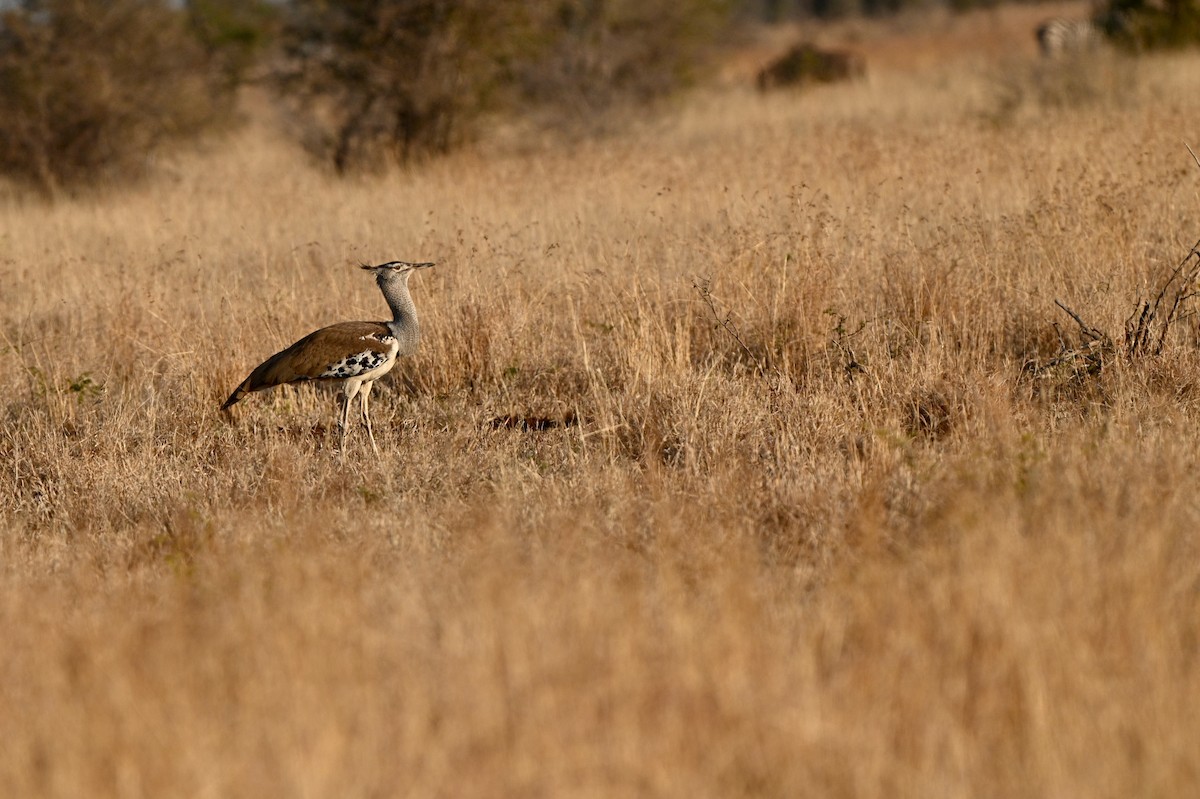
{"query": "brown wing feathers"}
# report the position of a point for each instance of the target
(311, 357)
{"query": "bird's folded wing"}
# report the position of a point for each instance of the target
(333, 352)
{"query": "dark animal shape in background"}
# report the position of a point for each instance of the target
(806, 63)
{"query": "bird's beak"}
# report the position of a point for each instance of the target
(425, 265)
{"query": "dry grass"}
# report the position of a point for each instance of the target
(866, 554)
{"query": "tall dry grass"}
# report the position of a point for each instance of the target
(856, 549)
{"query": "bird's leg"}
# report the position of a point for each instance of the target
(343, 418)
(366, 415)
(351, 387)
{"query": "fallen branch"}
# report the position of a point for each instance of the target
(1147, 327)
(1086, 358)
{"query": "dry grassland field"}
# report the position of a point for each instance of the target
(746, 453)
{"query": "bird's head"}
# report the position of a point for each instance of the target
(395, 269)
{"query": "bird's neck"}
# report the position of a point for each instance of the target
(404, 314)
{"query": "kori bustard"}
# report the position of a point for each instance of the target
(354, 353)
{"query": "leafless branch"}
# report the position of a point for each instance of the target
(772, 376)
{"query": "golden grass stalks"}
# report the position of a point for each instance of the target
(902, 568)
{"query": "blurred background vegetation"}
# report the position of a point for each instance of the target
(91, 90)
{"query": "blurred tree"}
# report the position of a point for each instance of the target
(598, 53)
(90, 88)
(1151, 24)
(234, 33)
(406, 78)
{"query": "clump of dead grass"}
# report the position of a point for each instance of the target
(1023, 91)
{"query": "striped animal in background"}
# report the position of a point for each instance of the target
(1061, 36)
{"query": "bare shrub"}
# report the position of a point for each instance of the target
(1147, 327)
(395, 77)
(1146, 330)
(373, 80)
(90, 89)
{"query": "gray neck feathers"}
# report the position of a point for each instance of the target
(404, 314)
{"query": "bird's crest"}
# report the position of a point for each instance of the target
(398, 266)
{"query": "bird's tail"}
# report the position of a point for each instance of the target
(237, 394)
(266, 375)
